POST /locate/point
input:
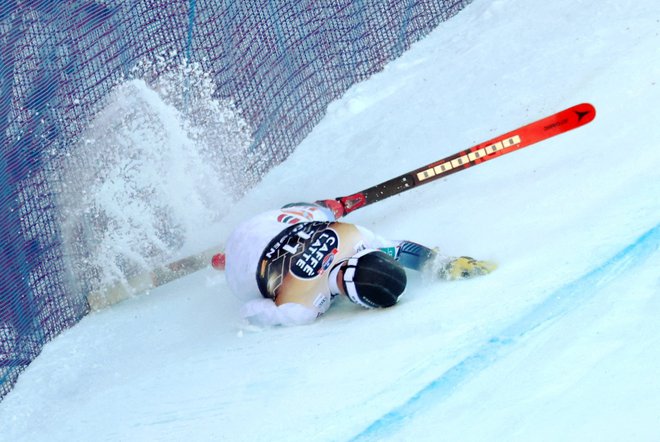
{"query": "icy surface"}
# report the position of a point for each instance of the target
(560, 343)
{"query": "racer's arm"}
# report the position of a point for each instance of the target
(430, 261)
(409, 254)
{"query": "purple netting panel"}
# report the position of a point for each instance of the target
(284, 62)
(281, 61)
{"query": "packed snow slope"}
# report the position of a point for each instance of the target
(560, 343)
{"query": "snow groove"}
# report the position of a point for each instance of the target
(554, 307)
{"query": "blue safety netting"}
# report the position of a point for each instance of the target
(281, 62)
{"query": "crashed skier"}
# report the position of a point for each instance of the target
(289, 264)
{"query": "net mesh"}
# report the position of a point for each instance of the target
(280, 62)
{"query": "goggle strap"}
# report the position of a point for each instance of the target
(349, 285)
(332, 278)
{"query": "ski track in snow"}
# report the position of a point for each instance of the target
(551, 310)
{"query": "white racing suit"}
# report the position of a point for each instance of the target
(279, 261)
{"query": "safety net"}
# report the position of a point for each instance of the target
(265, 70)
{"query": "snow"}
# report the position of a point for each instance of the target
(560, 343)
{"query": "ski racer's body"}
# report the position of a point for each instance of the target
(289, 264)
